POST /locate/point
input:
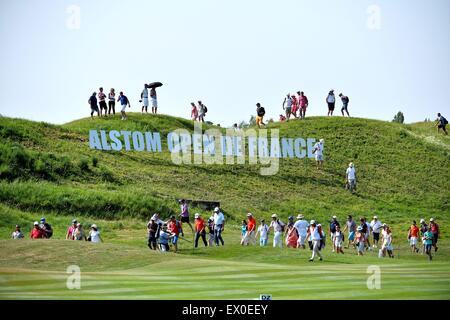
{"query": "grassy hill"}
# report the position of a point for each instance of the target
(49, 170)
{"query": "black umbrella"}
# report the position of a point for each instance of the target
(155, 85)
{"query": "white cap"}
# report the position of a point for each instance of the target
(274, 216)
(197, 215)
(351, 165)
(216, 209)
(94, 226)
(249, 214)
(375, 217)
(321, 141)
(36, 223)
(312, 222)
(422, 220)
(431, 220)
(334, 217)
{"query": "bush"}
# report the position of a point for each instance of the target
(94, 161)
(83, 165)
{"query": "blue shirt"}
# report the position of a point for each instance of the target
(123, 100)
(163, 237)
(93, 101)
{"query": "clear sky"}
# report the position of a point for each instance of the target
(386, 55)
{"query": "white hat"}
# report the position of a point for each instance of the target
(274, 216)
(36, 223)
(249, 214)
(375, 217)
(334, 217)
(351, 165)
(216, 209)
(312, 222)
(431, 220)
(422, 220)
(321, 141)
(300, 216)
(94, 226)
(197, 215)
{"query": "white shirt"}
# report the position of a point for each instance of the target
(387, 238)
(368, 228)
(263, 231)
(219, 218)
(17, 235)
(145, 93)
(315, 234)
(95, 236)
(376, 226)
(302, 227)
(351, 173)
(331, 98)
(277, 225)
(319, 149)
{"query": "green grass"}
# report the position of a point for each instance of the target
(49, 170)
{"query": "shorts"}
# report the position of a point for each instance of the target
(331, 106)
(428, 247)
(124, 107)
(413, 241)
(103, 105)
(376, 236)
(387, 247)
(344, 107)
(351, 236)
(154, 103)
(184, 219)
(174, 240)
(319, 157)
(259, 120)
(338, 243)
(94, 108)
(289, 109)
(361, 247)
(441, 126)
(145, 102)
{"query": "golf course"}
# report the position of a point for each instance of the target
(50, 171)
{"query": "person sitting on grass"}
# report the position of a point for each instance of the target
(36, 232)
(338, 239)
(174, 227)
(17, 234)
(164, 238)
(94, 234)
(46, 228)
(263, 231)
(71, 229)
(428, 242)
(79, 233)
(243, 231)
(200, 230)
(413, 236)
(360, 240)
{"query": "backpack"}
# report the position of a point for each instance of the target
(261, 112)
(444, 120)
(205, 109)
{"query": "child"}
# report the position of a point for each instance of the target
(428, 242)
(194, 112)
(211, 231)
(387, 241)
(17, 234)
(338, 239)
(164, 237)
(360, 240)
(243, 231)
(263, 231)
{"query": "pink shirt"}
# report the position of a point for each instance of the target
(303, 101)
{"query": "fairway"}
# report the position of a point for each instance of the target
(213, 275)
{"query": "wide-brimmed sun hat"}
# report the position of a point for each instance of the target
(274, 216)
(312, 222)
(94, 226)
(300, 216)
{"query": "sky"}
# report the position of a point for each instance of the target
(386, 55)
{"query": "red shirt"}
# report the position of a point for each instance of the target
(414, 231)
(303, 101)
(434, 228)
(173, 227)
(251, 224)
(199, 224)
(37, 233)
